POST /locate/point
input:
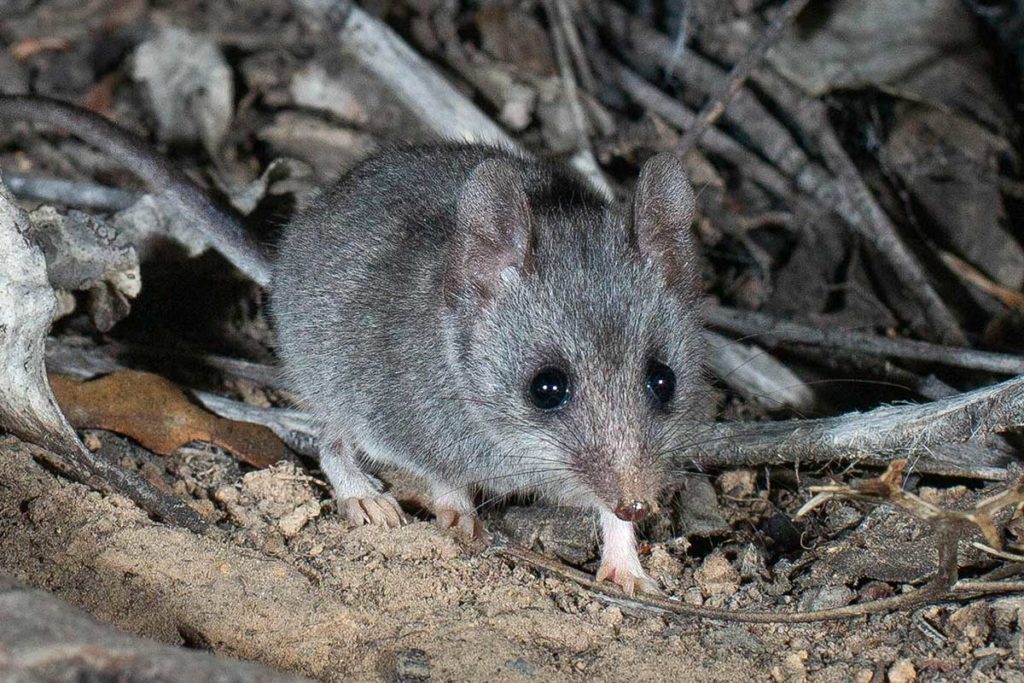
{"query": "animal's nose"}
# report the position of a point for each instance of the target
(632, 510)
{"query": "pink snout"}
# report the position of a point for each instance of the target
(632, 510)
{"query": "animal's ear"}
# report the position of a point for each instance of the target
(493, 228)
(659, 228)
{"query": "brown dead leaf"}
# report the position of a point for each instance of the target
(158, 415)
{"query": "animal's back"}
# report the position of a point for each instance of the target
(357, 292)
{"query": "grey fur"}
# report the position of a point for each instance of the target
(395, 358)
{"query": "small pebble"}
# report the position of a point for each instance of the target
(826, 598)
(902, 671)
(612, 616)
(411, 666)
(717, 576)
(972, 621)
(738, 483)
(864, 676)
(520, 665)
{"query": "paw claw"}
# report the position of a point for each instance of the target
(379, 510)
(628, 580)
(466, 524)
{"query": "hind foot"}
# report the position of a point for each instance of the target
(628, 579)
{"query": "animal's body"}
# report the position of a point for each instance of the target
(480, 319)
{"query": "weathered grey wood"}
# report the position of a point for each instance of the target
(885, 433)
(45, 639)
(27, 406)
(756, 375)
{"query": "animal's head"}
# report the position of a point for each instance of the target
(579, 331)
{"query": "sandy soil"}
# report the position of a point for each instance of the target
(281, 580)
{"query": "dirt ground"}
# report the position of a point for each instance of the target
(339, 603)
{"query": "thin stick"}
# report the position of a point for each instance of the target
(1010, 298)
(579, 56)
(928, 595)
(714, 109)
(715, 141)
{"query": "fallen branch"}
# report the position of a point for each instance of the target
(884, 433)
(774, 332)
(27, 406)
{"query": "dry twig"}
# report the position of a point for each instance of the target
(69, 192)
(714, 109)
(583, 160)
(714, 141)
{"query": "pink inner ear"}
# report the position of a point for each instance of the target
(493, 227)
(663, 208)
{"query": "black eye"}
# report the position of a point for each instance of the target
(661, 382)
(549, 389)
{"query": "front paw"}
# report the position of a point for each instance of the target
(630, 579)
(466, 524)
(378, 510)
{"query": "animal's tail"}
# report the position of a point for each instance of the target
(223, 228)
